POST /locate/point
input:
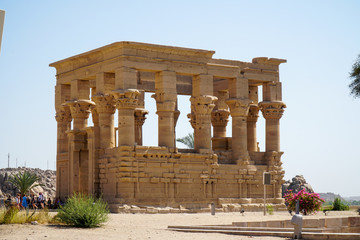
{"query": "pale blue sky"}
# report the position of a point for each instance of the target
(320, 40)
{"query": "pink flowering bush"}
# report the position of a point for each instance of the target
(308, 202)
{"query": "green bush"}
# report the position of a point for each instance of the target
(270, 209)
(8, 215)
(83, 211)
(12, 215)
(338, 205)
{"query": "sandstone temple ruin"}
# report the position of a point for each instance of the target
(109, 158)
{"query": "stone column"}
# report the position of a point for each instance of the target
(166, 122)
(202, 107)
(165, 96)
(220, 115)
(63, 118)
(239, 110)
(219, 120)
(80, 110)
(140, 118)
(251, 128)
(105, 107)
(252, 119)
(126, 102)
(272, 112)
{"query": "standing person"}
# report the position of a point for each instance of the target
(33, 202)
(18, 202)
(24, 202)
(8, 201)
(49, 203)
(41, 200)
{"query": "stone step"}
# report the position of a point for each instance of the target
(271, 229)
(305, 235)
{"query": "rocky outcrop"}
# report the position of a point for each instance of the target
(48, 180)
(296, 184)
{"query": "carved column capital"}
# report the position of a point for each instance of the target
(272, 110)
(80, 108)
(220, 118)
(238, 107)
(253, 114)
(139, 115)
(63, 115)
(126, 98)
(203, 104)
(104, 103)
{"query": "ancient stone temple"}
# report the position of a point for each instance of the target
(109, 158)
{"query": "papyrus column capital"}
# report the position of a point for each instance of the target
(126, 98)
(203, 104)
(80, 108)
(63, 115)
(139, 115)
(220, 118)
(238, 107)
(105, 103)
(253, 114)
(272, 110)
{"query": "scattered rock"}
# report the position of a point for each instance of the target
(296, 185)
(34, 223)
(48, 179)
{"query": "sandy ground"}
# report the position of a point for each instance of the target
(147, 226)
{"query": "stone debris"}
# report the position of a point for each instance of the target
(48, 180)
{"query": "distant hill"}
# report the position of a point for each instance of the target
(352, 198)
(330, 196)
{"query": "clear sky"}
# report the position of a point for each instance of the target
(320, 40)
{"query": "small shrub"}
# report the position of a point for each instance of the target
(83, 211)
(338, 205)
(270, 209)
(14, 216)
(308, 202)
(9, 215)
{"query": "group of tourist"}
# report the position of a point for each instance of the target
(32, 201)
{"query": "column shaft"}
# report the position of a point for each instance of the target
(202, 107)
(251, 128)
(239, 110)
(126, 102)
(105, 107)
(272, 135)
(272, 112)
(166, 128)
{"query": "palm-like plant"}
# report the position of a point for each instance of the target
(188, 140)
(25, 181)
(355, 76)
